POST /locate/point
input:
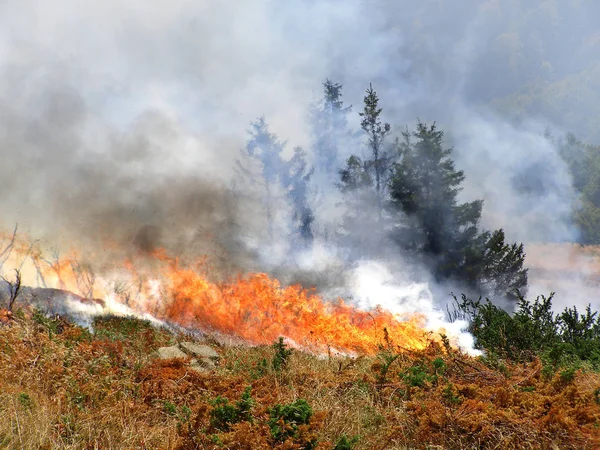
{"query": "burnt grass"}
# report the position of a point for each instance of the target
(67, 387)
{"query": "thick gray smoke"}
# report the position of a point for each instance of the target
(125, 119)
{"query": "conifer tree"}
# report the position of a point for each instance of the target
(423, 190)
(265, 147)
(376, 132)
(363, 182)
(286, 181)
(329, 126)
(296, 180)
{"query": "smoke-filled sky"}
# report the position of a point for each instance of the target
(126, 118)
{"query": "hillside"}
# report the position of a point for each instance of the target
(63, 386)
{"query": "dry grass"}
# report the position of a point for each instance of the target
(64, 388)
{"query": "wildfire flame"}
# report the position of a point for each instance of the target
(258, 309)
(253, 307)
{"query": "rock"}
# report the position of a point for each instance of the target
(200, 351)
(170, 352)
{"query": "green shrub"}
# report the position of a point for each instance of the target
(568, 374)
(224, 414)
(284, 420)
(534, 329)
(450, 396)
(385, 360)
(344, 443)
(25, 400)
(282, 355)
(244, 405)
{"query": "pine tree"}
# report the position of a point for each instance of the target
(363, 183)
(376, 132)
(265, 147)
(329, 126)
(424, 190)
(296, 180)
(286, 181)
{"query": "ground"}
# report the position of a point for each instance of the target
(67, 387)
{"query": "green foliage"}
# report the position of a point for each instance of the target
(259, 369)
(424, 188)
(53, 324)
(25, 400)
(224, 414)
(449, 395)
(284, 420)
(385, 359)
(583, 161)
(282, 355)
(115, 328)
(343, 443)
(420, 374)
(561, 340)
(568, 375)
(244, 405)
(169, 408)
(416, 376)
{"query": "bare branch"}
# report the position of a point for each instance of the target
(14, 289)
(5, 254)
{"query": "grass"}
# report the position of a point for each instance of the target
(63, 387)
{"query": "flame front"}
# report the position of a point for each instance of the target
(258, 309)
(253, 307)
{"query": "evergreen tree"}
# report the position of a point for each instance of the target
(424, 190)
(296, 179)
(363, 183)
(376, 132)
(283, 180)
(329, 124)
(265, 147)
(583, 161)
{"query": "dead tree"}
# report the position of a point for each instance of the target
(14, 288)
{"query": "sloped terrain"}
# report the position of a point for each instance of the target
(63, 386)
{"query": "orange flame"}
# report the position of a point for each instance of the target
(254, 307)
(258, 309)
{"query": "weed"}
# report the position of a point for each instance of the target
(385, 359)
(259, 369)
(169, 408)
(284, 420)
(450, 396)
(528, 389)
(244, 405)
(216, 439)
(344, 443)
(282, 355)
(416, 376)
(224, 414)
(53, 325)
(25, 400)
(568, 375)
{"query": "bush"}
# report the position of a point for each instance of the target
(284, 420)
(282, 355)
(344, 443)
(224, 414)
(532, 330)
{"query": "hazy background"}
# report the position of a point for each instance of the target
(123, 120)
